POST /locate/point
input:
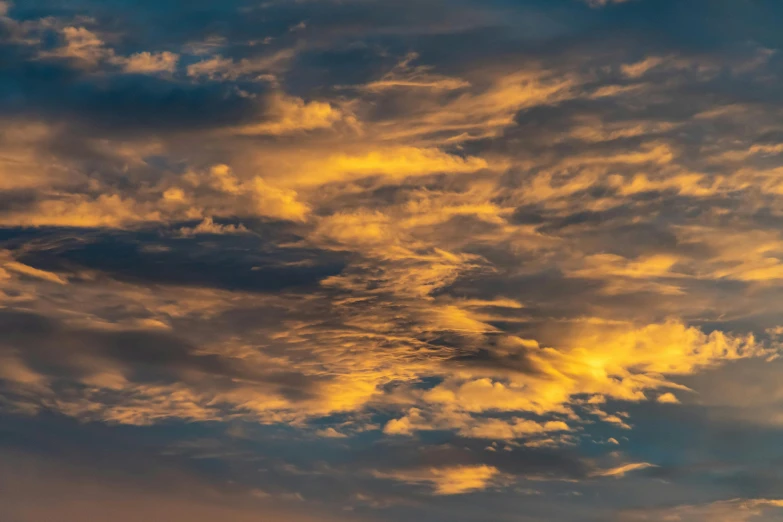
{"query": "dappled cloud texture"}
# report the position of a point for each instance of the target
(391, 260)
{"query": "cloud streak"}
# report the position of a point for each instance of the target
(372, 260)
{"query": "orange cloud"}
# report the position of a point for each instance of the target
(147, 63)
(456, 480)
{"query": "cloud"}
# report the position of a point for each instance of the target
(260, 68)
(405, 248)
(78, 211)
(610, 362)
(456, 480)
(331, 433)
(208, 226)
(124, 256)
(122, 104)
(9, 265)
(403, 75)
(125, 498)
(290, 114)
(88, 50)
(668, 398)
(394, 162)
(735, 510)
(620, 471)
(82, 45)
(267, 200)
(469, 114)
(467, 426)
(147, 63)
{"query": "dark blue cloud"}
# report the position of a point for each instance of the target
(118, 104)
(244, 262)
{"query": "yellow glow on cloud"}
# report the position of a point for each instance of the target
(502, 274)
(616, 362)
(146, 62)
(406, 76)
(290, 114)
(620, 471)
(455, 480)
(259, 68)
(105, 211)
(390, 162)
(23, 269)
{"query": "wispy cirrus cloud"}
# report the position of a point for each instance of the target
(391, 255)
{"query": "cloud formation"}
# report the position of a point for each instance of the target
(394, 260)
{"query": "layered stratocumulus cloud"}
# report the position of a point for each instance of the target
(392, 260)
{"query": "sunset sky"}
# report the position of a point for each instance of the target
(391, 260)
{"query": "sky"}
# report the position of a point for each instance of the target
(391, 260)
